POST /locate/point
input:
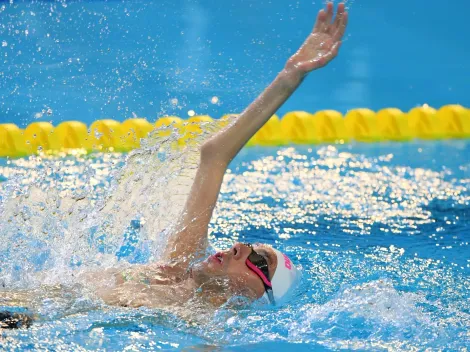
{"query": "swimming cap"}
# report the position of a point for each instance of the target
(285, 277)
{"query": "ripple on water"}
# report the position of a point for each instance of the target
(383, 245)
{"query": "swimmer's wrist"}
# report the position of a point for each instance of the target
(291, 77)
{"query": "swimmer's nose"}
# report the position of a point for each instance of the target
(240, 251)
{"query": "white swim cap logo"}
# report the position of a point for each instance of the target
(287, 262)
(284, 277)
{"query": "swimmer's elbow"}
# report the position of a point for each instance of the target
(213, 153)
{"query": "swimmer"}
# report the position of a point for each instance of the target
(255, 272)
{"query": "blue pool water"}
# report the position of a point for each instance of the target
(90, 59)
(381, 232)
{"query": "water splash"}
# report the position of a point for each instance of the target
(62, 214)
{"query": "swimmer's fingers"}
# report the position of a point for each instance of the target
(323, 44)
(329, 16)
(338, 19)
(321, 23)
(340, 24)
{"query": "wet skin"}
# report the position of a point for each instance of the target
(230, 266)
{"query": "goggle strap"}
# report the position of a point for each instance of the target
(269, 291)
(259, 273)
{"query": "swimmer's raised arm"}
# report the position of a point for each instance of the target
(320, 47)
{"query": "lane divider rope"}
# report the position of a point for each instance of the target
(295, 127)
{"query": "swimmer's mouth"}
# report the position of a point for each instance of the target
(218, 257)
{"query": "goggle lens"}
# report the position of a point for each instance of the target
(257, 263)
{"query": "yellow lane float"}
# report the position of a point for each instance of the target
(225, 120)
(134, 130)
(393, 125)
(455, 121)
(37, 137)
(329, 126)
(192, 125)
(70, 135)
(107, 135)
(424, 123)
(299, 127)
(167, 121)
(166, 125)
(361, 125)
(270, 134)
(11, 141)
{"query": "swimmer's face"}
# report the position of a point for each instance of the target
(226, 272)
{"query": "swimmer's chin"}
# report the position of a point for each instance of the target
(199, 271)
(206, 267)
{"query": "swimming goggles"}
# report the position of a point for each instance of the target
(257, 263)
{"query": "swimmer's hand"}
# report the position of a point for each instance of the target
(322, 45)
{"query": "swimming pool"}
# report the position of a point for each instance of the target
(381, 232)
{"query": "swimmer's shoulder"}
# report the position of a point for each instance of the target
(159, 273)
